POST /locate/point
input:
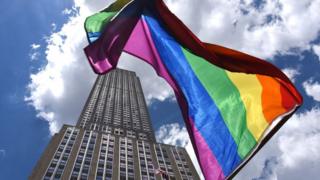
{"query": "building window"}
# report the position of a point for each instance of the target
(104, 170)
(61, 156)
(84, 156)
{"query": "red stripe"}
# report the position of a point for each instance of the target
(288, 101)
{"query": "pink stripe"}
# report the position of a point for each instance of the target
(140, 44)
(100, 66)
(209, 164)
(103, 54)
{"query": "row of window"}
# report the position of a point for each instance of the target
(164, 161)
(61, 156)
(106, 156)
(109, 106)
(182, 164)
(145, 160)
(101, 100)
(126, 159)
(82, 164)
(118, 131)
(86, 114)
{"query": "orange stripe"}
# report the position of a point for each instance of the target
(272, 99)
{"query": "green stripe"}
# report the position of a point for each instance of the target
(227, 98)
(97, 22)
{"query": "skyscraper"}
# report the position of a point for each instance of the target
(113, 139)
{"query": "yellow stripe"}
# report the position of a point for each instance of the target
(251, 94)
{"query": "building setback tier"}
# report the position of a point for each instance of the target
(76, 153)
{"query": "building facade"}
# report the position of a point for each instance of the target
(113, 139)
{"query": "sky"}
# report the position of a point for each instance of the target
(45, 78)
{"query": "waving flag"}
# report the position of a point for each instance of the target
(232, 103)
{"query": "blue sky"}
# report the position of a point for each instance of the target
(45, 78)
(23, 136)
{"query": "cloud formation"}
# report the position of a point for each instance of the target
(316, 50)
(262, 28)
(34, 52)
(58, 90)
(173, 134)
(35, 46)
(291, 73)
(312, 89)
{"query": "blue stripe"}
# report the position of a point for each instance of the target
(93, 36)
(201, 107)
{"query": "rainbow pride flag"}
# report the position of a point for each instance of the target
(232, 103)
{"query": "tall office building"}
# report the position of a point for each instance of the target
(113, 139)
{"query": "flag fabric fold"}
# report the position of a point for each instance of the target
(232, 103)
(115, 33)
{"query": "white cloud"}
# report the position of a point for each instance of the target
(35, 46)
(34, 52)
(174, 134)
(282, 26)
(312, 89)
(53, 27)
(291, 73)
(300, 140)
(316, 50)
(293, 153)
(58, 91)
(34, 55)
(67, 11)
